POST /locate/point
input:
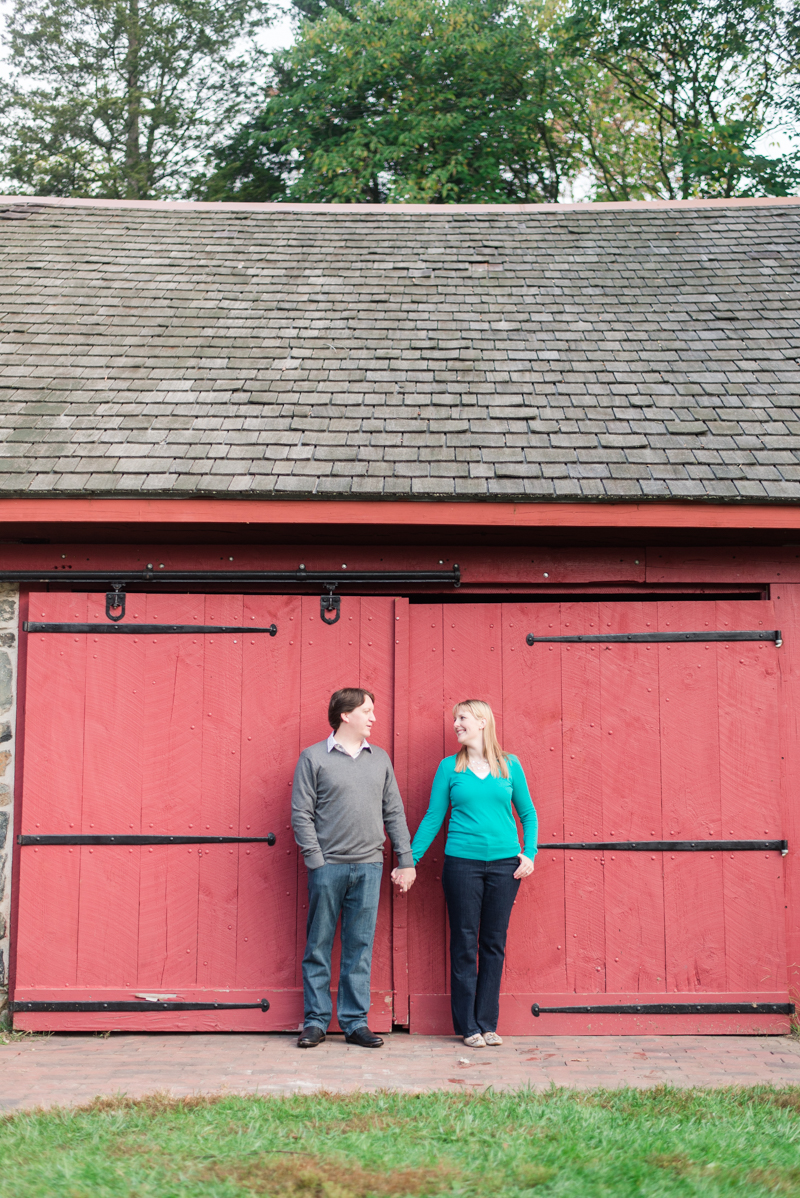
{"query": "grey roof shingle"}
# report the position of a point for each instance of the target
(536, 353)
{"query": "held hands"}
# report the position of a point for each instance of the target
(525, 867)
(404, 878)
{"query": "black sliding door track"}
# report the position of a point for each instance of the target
(318, 577)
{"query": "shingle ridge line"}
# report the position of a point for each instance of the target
(639, 500)
(402, 209)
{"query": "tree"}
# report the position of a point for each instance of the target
(619, 143)
(120, 98)
(427, 101)
(789, 63)
(514, 100)
(697, 84)
(313, 9)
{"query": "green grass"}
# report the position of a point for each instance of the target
(9, 1036)
(660, 1142)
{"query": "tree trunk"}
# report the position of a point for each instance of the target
(135, 180)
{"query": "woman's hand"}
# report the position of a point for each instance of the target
(404, 878)
(525, 866)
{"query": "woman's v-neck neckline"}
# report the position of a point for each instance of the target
(480, 777)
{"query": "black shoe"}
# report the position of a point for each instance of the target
(311, 1036)
(364, 1038)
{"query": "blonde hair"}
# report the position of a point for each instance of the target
(491, 746)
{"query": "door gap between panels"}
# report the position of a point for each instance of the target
(600, 597)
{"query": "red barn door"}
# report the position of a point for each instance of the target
(180, 734)
(620, 743)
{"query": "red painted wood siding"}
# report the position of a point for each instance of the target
(619, 742)
(179, 735)
(66, 512)
(176, 734)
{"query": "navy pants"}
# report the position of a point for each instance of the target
(479, 896)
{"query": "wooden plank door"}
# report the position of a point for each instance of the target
(181, 735)
(620, 742)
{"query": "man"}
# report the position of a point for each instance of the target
(343, 796)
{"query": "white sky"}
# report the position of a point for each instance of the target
(280, 33)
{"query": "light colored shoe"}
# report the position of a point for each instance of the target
(492, 1039)
(476, 1041)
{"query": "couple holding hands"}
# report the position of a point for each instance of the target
(343, 797)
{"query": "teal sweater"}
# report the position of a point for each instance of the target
(482, 824)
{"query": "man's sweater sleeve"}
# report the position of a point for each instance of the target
(394, 819)
(304, 805)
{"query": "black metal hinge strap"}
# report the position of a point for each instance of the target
(145, 629)
(620, 846)
(55, 1008)
(675, 846)
(658, 637)
(673, 1008)
(124, 839)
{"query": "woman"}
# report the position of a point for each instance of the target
(483, 864)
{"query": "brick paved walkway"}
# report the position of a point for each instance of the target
(70, 1069)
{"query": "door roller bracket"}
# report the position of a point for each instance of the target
(115, 601)
(330, 605)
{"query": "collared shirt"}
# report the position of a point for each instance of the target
(333, 743)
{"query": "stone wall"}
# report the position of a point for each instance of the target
(9, 604)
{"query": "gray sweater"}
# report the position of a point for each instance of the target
(340, 805)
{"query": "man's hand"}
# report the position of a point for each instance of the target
(404, 878)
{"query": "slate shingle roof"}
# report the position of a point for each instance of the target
(600, 353)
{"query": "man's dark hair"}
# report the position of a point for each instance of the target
(346, 700)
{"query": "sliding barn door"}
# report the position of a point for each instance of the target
(627, 744)
(189, 734)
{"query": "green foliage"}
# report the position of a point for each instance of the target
(789, 60)
(457, 101)
(426, 101)
(661, 1143)
(313, 9)
(120, 98)
(420, 101)
(700, 80)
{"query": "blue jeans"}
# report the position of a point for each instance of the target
(479, 897)
(352, 891)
